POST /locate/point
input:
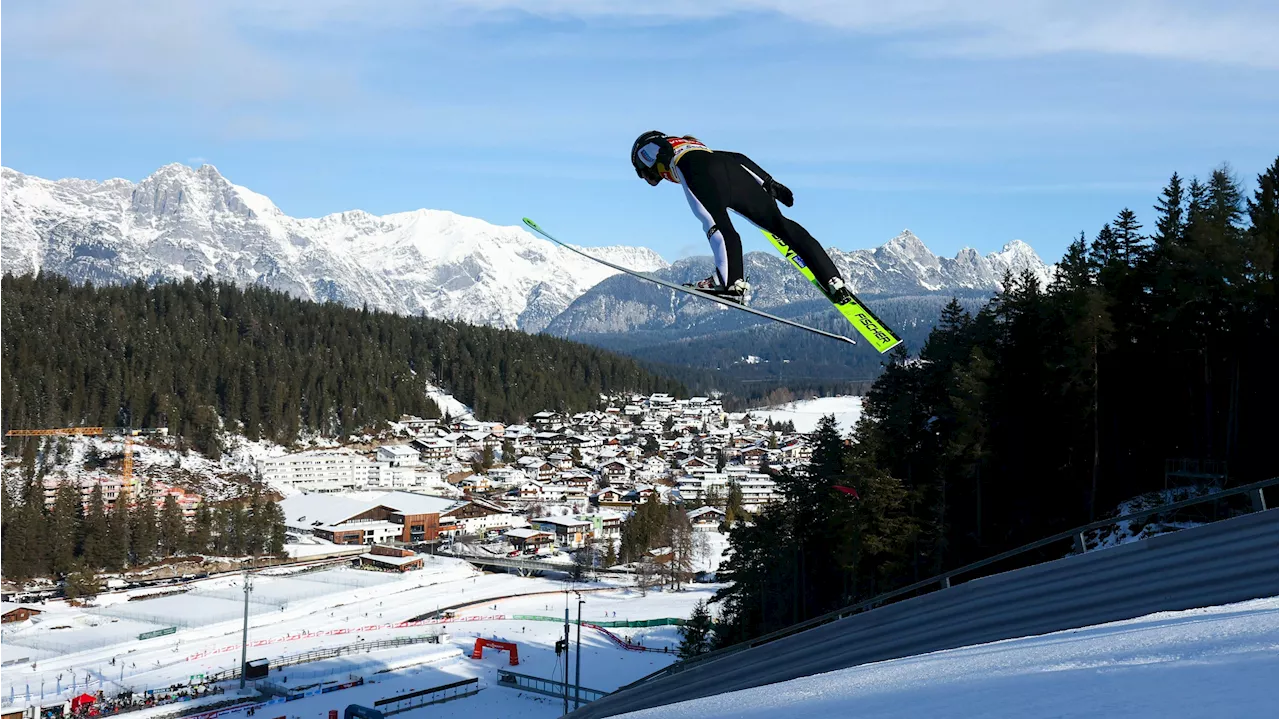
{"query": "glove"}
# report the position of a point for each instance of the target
(781, 193)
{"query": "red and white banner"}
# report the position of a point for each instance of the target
(347, 630)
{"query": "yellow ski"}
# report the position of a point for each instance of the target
(877, 333)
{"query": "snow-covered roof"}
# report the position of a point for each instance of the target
(562, 521)
(395, 561)
(694, 514)
(321, 508)
(524, 533)
(411, 503)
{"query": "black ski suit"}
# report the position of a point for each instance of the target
(717, 181)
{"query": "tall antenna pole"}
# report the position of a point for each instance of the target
(244, 634)
(577, 669)
(566, 652)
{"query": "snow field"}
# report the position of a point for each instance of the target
(806, 413)
(81, 633)
(351, 615)
(1212, 662)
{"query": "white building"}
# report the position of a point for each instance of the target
(757, 489)
(326, 470)
(569, 531)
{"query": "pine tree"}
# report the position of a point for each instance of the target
(7, 515)
(733, 511)
(1105, 249)
(256, 528)
(1264, 227)
(277, 531)
(143, 526)
(35, 527)
(1127, 237)
(1074, 271)
(81, 582)
(198, 539)
(1170, 213)
(173, 530)
(116, 550)
(64, 528)
(695, 634)
(13, 537)
(96, 530)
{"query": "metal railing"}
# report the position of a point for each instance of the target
(548, 687)
(427, 697)
(1253, 491)
(321, 654)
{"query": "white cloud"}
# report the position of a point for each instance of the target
(203, 44)
(1231, 31)
(173, 48)
(279, 69)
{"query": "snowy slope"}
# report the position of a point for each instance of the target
(328, 609)
(1215, 662)
(806, 413)
(182, 222)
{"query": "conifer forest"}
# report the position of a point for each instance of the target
(1039, 412)
(197, 356)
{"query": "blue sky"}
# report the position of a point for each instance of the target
(971, 123)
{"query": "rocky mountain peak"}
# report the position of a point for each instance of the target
(182, 222)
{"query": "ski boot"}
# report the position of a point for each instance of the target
(734, 293)
(737, 292)
(837, 292)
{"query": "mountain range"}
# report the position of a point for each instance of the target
(193, 223)
(183, 222)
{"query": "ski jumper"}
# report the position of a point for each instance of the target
(715, 182)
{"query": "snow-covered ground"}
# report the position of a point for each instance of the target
(295, 614)
(806, 413)
(708, 550)
(446, 402)
(1214, 662)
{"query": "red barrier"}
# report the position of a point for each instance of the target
(620, 642)
(509, 647)
(347, 630)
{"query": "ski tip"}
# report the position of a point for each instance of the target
(532, 225)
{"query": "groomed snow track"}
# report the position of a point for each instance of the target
(1229, 561)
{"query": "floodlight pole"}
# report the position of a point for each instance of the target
(244, 634)
(566, 652)
(577, 670)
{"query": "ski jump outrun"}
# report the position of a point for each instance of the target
(716, 181)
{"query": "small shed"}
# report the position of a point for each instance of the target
(17, 613)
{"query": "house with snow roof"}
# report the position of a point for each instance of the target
(529, 539)
(568, 531)
(391, 517)
(434, 448)
(706, 519)
(610, 497)
(617, 471)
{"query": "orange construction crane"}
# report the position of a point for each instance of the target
(127, 466)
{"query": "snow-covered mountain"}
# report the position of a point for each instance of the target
(182, 222)
(905, 265)
(902, 267)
